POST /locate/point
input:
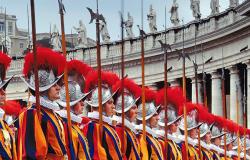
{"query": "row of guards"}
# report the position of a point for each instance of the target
(124, 120)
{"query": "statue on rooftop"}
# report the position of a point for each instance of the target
(82, 35)
(174, 14)
(129, 26)
(195, 7)
(152, 19)
(55, 39)
(214, 5)
(104, 31)
(233, 3)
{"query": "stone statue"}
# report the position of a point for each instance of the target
(174, 14)
(152, 19)
(129, 26)
(195, 6)
(82, 35)
(234, 3)
(55, 39)
(6, 41)
(214, 5)
(104, 31)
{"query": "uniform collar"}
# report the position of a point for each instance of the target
(205, 145)
(45, 102)
(95, 115)
(1, 113)
(127, 123)
(148, 130)
(74, 117)
(217, 149)
(172, 137)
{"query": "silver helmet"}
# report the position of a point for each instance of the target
(150, 109)
(4, 83)
(172, 116)
(191, 121)
(106, 96)
(216, 132)
(235, 143)
(247, 143)
(229, 139)
(204, 129)
(46, 80)
(75, 94)
(129, 101)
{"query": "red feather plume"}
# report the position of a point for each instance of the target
(129, 85)
(108, 78)
(79, 67)
(5, 60)
(12, 108)
(45, 57)
(174, 97)
(150, 94)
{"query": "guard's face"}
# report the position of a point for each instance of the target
(53, 92)
(193, 133)
(217, 141)
(230, 146)
(78, 108)
(133, 113)
(208, 137)
(153, 121)
(2, 96)
(173, 127)
(109, 107)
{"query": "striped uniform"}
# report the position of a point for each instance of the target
(173, 150)
(42, 139)
(192, 152)
(7, 143)
(206, 154)
(151, 148)
(79, 149)
(106, 148)
(131, 144)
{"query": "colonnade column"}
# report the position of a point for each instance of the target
(199, 86)
(248, 93)
(217, 108)
(235, 92)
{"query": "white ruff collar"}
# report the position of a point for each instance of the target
(242, 155)
(148, 130)
(1, 113)
(45, 103)
(95, 115)
(191, 141)
(205, 145)
(172, 137)
(217, 149)
(74, 117)
(127, 123)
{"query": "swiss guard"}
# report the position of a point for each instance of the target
(7, 138)
(192, 128)
(41, 135)
(132, 94)
(78, 147)
(229, 146)
(217, 134)
(77, 71)
(205, 135)
(174, 101)
(151, 147)
(105, 144)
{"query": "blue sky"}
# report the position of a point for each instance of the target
(47, 13)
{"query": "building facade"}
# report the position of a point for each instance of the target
(224, 39)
